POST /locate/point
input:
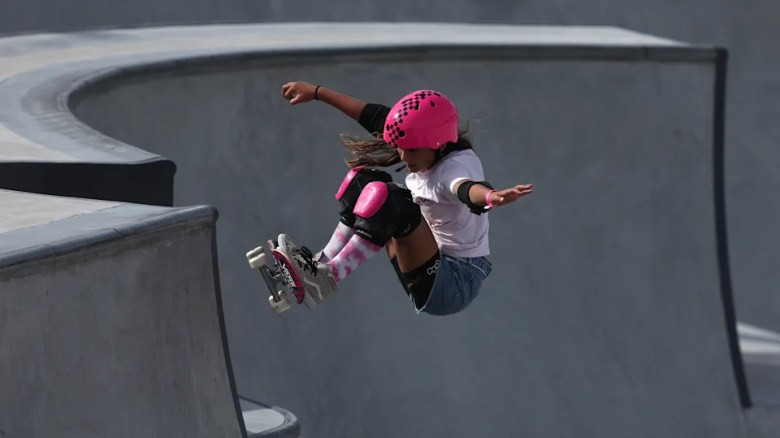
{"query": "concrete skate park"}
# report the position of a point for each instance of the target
(139, 165)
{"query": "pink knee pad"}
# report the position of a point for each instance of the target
(348, 180)
(384, 211)
(371, 199)
(354, 183)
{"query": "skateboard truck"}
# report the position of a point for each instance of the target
(272, 276)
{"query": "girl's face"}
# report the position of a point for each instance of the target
(417, 159)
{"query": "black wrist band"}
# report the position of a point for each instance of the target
(315, 92)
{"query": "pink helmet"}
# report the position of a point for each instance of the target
(422, 119)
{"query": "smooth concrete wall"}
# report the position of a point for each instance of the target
(748, 29)
(114, 339)
(603, 317)
(682, 19)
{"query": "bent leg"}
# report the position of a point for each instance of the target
(354, 182)
(382, 212)
(347, 195)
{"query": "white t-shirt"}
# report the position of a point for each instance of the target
(458, 231)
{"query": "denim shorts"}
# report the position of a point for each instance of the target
(456, 285)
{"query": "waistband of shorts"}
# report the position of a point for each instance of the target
(481, 263)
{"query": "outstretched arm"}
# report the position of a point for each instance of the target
(300, 92)
(478, 194)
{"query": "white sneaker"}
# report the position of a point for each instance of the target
(310, 280)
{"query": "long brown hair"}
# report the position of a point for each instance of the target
(374, 152)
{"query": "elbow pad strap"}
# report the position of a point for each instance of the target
(463, 195)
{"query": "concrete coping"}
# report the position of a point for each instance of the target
(41, 74)
(74, 224)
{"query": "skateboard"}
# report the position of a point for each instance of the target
(274, 276)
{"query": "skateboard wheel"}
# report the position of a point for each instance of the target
(282, 305)
(255, 252)
(257, 261)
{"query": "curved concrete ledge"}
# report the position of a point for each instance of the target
(68, 227)
(41, 74)
(112, 322)
(46, 149)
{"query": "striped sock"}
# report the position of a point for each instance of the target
(337, 242)
(357, 251)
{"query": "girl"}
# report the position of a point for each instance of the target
(434, 230)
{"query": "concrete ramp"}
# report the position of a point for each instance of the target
(605, 315)
(111, 325)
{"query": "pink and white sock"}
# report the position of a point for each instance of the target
(357, 251)
(337, 242)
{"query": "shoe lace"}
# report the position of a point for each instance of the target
(308, 261)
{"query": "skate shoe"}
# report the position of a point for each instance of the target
(310, 281)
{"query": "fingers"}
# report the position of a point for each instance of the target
(292, 91)
(298, 92)
(287, 88)
(503, 197)
(519, 190)
(288, 91)
(523, 189)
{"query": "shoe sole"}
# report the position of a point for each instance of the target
(287, 268)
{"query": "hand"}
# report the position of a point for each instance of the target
(507, 196)
(298, 92)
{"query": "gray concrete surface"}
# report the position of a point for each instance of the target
(749, 29)
(22, 210)
(68, 331)
(605, 281)
(589, 312)
(116, 330)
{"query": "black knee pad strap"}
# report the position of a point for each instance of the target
(397, 217)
